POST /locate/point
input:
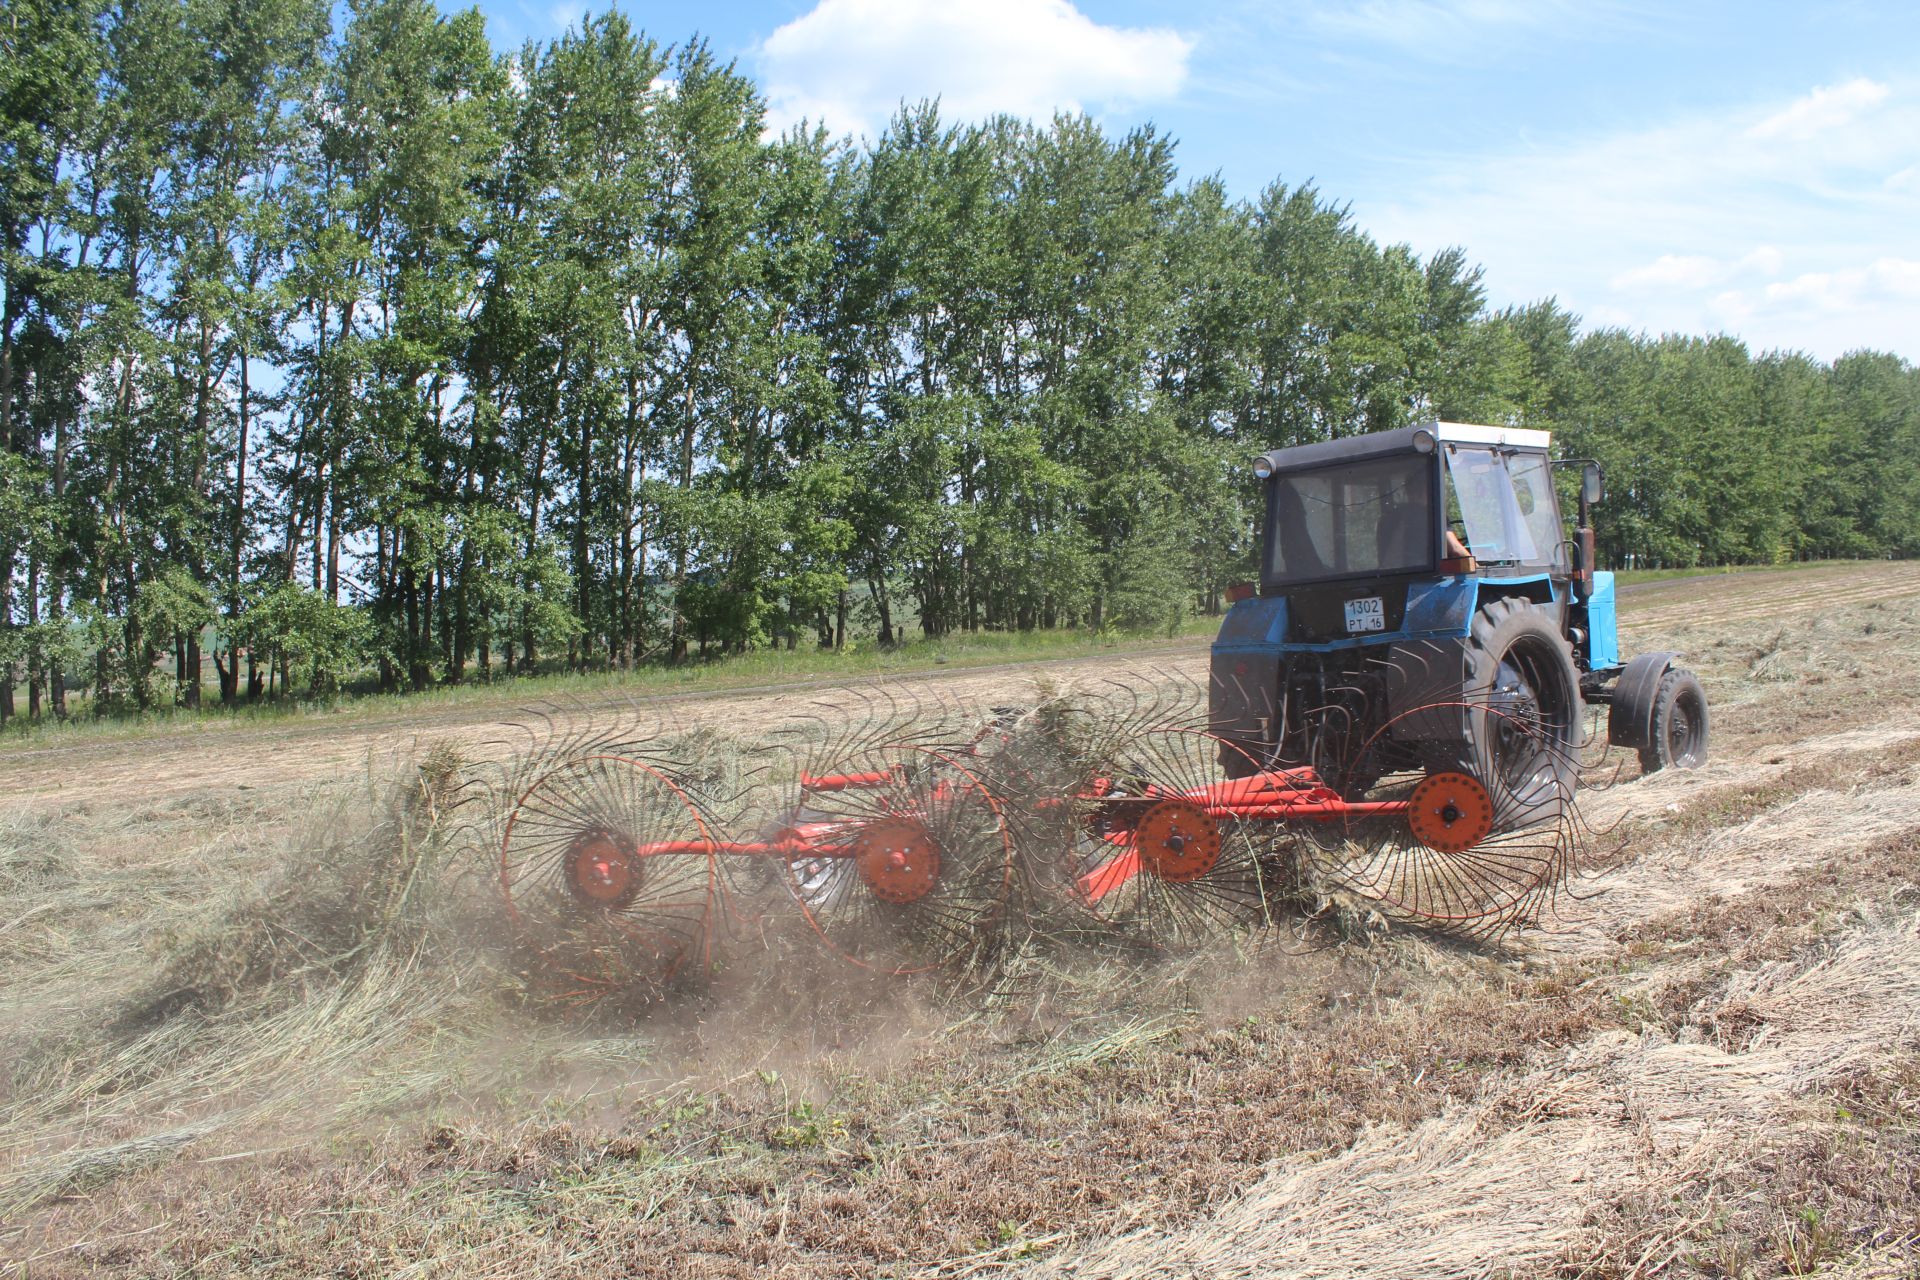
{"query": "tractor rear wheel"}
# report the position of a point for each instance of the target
(1523, 712)
(1679, 724)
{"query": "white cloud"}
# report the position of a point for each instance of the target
(1673, 271)
(1882, 280)
(1822, 289)
(1427, 25)
(1766, 260)
(1692, 271)
(1899, 277)
(850, 63)
(1827, 108)
(1694, 225)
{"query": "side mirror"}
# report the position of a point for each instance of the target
(1593, 484)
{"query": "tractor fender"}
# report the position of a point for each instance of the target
(1630, 715)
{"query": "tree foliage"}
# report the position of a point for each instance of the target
(363, 349)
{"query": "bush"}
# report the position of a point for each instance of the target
(303, 628)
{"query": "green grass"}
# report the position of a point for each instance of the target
(755, 669)
(1627, 577)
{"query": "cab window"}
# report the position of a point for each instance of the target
(1533, 494)
(1352, 520)
(1482, 498)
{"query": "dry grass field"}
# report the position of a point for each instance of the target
(259, 1016)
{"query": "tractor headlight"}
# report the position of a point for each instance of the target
(1263, 466)
(1423, 441)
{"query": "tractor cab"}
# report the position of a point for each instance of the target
(1414, 567)
(1394, 534)
(1441, 499)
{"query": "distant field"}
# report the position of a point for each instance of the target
(802, 666)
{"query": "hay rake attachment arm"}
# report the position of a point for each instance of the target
(620, 866)
(1280, 796)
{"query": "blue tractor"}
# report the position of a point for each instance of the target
(1421, 608)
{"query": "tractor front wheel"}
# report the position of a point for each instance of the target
(1679, 724)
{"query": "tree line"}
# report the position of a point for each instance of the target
(374, 350)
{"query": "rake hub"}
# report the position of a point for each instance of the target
(603, 870)
(1177, 842)
(898, 858)
(1450, 812)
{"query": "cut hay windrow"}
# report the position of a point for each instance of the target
(271, 1002)
(1477, 1193)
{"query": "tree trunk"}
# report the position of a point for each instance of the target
(334, 504)
(236, 536)
(386, 551)
(6, 446)
(56, 593)
(582, 567)
(188, 678)
(7, 320)
(190, 669)
(33, 654)
(678, 650)
(529, 654)
(626, 625)
(880, 598)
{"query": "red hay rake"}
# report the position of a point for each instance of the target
(908, 849)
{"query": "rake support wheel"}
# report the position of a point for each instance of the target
(1177, 842)
(908, 871)
(898, 859)
(1152, 861)
(1522, 728)
(1483, 848)
(1450, 812)
(607, 871)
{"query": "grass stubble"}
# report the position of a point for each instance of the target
(283, 1035)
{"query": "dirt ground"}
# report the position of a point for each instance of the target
(255, 1018)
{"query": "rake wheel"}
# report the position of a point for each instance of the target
(1152, 861)
(607, 870)
(907, 871)
(1483, 847)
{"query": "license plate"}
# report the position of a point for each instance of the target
(1366, 615)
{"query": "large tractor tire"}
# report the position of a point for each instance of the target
(1524, 714)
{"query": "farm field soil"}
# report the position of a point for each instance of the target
(250, 1024)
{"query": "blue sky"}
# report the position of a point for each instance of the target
(1751, 169)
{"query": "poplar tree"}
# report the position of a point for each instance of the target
(385, 358)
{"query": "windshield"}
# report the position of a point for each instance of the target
(1352, 520)
(1505, 516)
(1533, 490)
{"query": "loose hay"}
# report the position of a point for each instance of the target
(1510, 1184)
(432, 1026)
(266, 1003)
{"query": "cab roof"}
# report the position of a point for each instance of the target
(1379, 444)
